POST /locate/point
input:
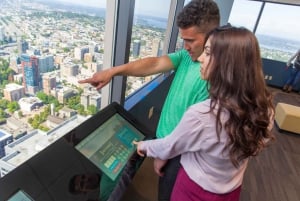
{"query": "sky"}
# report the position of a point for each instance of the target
(277, 19)
(146, 7)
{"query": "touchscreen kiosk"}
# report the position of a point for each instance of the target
(106, 139)
(110, 145)
(85, 164)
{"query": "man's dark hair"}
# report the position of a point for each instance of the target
(201, 13)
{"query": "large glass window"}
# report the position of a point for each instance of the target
(278, 31)
(45, 48)
(244, 13)
(277, 28)
(148, 34)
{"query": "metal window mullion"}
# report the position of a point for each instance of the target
(172, 29)
(109, 40)
(118, 29)
(124, 22)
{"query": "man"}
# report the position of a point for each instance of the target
(195, 20)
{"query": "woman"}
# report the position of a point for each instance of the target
(216, 137)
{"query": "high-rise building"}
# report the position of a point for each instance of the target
(46, 63)
(22, 46)
(69, 69)
(13, 92)
(90, 98)
(136, 46)
(156, 47)
(59, 59)
(94, 67)
(49, 82)
(88, 57)
(31, 75)
(79, 52)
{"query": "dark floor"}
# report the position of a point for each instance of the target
(274, 175)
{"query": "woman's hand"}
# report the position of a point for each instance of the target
(159, 166)
(138, 148)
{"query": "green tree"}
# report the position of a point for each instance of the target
(13, 106)
(81, 110)
(43, 97)
(3, 103)
(20, 114)
(2, 114)
(92, 109)
(30, 120)
(73, 102)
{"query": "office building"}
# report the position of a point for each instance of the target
(136, 46)
(23, 46)
(49, 82)
(46, 63)
(79, 52)
(31, 74)
(69, 69)
(156, 47)
(13, 92)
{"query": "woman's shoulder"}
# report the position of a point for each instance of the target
(202, 107)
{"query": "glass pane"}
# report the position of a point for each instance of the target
(179, 43)
(148, 34)
(278, 31)
(244, 13)
(45, 49)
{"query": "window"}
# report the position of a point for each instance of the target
(277, 29)
(45, 49)
(148, 34)
(244, 13)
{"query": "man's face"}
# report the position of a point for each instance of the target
(193, 41)
(204, 59)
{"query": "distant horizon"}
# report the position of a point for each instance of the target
(142, 7)
(101, 4)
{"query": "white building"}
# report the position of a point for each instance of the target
(79, 52)
(29, 104)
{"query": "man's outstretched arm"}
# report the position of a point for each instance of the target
(138, 68)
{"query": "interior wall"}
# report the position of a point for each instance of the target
(149, 108)
(275, 72)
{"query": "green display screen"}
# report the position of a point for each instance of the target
(110, 146)
(20, 196)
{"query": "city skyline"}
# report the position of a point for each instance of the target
(282, 28)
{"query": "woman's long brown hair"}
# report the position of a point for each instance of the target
(237, 86)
